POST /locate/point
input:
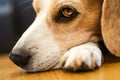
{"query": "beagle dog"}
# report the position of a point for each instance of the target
(65, 34)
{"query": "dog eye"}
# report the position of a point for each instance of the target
(66, 13)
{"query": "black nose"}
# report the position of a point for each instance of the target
(19, 59)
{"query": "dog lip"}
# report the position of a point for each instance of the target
(30, 69)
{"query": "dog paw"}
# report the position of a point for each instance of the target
(84, 57)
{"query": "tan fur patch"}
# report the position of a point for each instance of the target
(111, 25)
(36, 5)
(85, 27)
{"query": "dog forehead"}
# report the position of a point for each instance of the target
(68, 0)
(44, 3)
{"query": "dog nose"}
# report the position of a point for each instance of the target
(20, 59)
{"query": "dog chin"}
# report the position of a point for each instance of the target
(31, 69)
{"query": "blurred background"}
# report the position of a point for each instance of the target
(15, 17)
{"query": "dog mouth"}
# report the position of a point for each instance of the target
(33, 69)
(43, 63)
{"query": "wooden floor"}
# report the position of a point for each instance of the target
(109, 71)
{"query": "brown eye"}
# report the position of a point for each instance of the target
(67, 12)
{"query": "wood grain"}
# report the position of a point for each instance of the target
(109, 71)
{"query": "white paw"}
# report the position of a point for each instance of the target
(84, 57)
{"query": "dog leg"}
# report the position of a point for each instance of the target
(87, 56)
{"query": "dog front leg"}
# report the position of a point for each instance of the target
(87, 56)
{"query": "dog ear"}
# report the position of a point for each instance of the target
(111, 25)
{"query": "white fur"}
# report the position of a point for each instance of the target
(38, 40)
(87, 53)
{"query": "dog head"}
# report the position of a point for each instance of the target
(59, 26)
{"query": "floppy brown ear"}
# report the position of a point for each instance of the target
(111, 25)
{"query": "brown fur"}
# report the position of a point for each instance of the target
(86, 27)
(36, 5)
(111, 25)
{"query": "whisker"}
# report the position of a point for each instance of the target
(25, 5)
(27, 8)
(25, 2)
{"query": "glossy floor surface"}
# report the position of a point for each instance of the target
(109, 71)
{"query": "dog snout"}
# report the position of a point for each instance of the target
(20, 59)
